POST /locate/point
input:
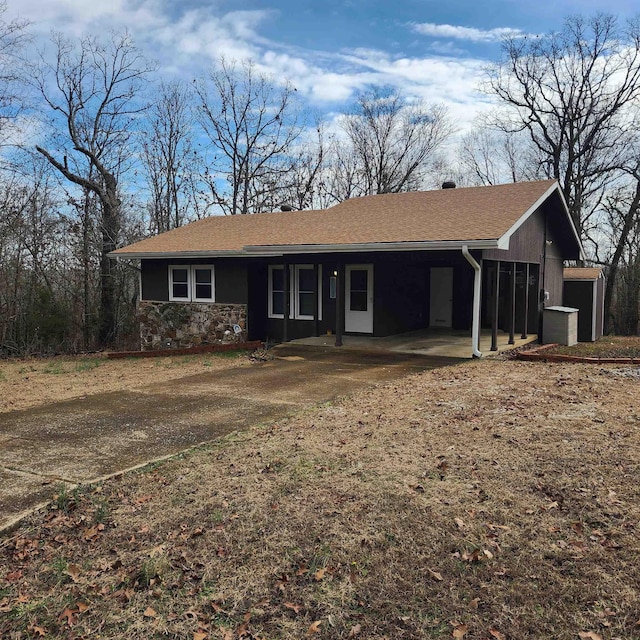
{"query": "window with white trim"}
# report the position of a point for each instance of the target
(276, 291)
(301, 294)
(191, 283)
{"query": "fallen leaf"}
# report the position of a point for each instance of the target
(496, 634)
(474, 603)
(488, 553)
(355, 630)
(39, 630)
(320, 574)
(314, 627)
(294, 607)
(82, 607)
(150, 612)
(459, 523)
(436, 575)
(199, 635)
(589, 635)
(13, 576)
(460, 630)
(69, 616)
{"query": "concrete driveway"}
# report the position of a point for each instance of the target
(82, 440)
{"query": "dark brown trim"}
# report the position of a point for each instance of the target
(287, 301)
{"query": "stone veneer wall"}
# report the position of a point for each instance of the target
(188, 324)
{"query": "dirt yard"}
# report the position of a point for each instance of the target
(490, 500)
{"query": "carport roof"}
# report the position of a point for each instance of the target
(479, 217)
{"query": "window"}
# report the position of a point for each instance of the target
(191, 283)
(276, 291)
(304, 292)
(301, 295)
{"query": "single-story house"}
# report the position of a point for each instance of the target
(459, 258)
(584, 289)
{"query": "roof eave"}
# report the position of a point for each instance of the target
(440, 245)
(137, 255)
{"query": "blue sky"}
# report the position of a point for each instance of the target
(329, 50)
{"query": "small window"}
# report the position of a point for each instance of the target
(203, 283)
(179, 282)
(192, 282)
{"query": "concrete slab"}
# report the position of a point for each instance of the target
(447, 343)
(77, 441)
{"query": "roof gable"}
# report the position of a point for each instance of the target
(477, 216)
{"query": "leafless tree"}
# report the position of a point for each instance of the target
(168, 157)
(571, 93)
(13, 36)
(253, 125)
(491, 156)
(92, 90)
(392, 141)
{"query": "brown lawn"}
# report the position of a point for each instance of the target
(495, 499)
(606, 347)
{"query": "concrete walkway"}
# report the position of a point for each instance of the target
(81, 440)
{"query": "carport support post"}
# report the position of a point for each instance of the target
(496, 309)
(525, 320)
(512, 306)
(287, 301)
(339, 304)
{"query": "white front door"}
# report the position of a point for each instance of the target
(441, 297)
(358, 303)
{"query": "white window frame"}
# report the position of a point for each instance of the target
(211, 268)
(273, 267)
(191, 282)
(294, 291)
(173, 298)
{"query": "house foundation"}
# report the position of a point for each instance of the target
(179, 325)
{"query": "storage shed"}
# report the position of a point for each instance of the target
(583, 289)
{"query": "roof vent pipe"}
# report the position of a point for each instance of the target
(286, 207)
(449, 184)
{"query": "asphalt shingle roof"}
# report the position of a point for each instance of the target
(462, 214)
(582, 273)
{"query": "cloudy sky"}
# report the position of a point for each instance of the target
(328, 49)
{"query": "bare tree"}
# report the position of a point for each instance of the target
(491, 156)
(92, 90)
(168, 157)
(392, 140)
(571, 92)
(622, 207)
(252, 124)
(13, 36)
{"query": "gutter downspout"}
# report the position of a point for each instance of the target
(477, 279)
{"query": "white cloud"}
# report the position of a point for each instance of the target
(466, 33)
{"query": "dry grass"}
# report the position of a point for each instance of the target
(496, 499)
(605, 347)
(37, 381)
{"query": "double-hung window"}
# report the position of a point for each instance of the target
(191, 283)
(303, 289)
